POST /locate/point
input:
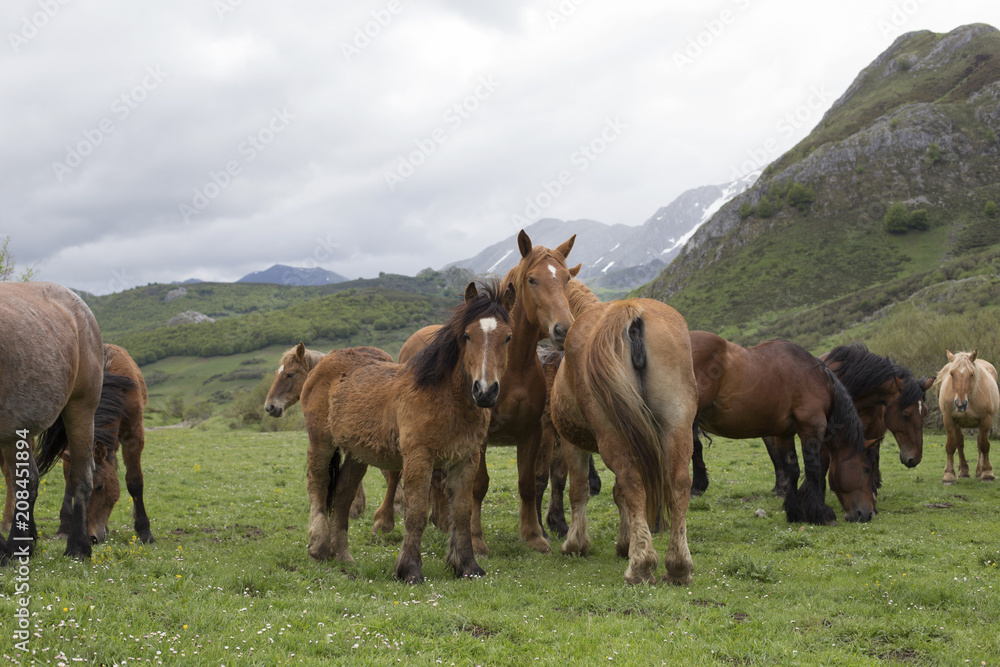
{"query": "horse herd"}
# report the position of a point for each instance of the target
(624, 379)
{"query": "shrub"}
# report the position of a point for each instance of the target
(764, 208)
(991, 208)
(896, 220)
(746, 210)
(933, 153)
(801, 196)
(918, 220)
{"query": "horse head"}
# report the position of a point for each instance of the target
(852, 479)
(962, 371)
(905, 418)
(288, 381)
(541, 280)
(484, 340)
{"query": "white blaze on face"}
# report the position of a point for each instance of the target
(281, 368)
(487, 324)
(552, 270)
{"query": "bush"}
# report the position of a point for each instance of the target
(918, 220)
(933, 153)
(991, 208)
(801, 196)
(764, 208)
(896, 220)
(746, 210)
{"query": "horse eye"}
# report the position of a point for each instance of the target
(507, 339)
(466, 336)
(532, 281)
(289, 376)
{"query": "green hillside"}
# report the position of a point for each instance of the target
(816, 246)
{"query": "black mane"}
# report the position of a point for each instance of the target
(860, 370)
(436, 362)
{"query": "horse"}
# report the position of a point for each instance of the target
(51, 370)
(626, 390)
(968, 398)
(886, 396)
(286, 388)
(429, 413)
(778, 389)
(541, 310)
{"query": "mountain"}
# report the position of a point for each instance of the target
(279, 274)
(617, 257)
(817, 243)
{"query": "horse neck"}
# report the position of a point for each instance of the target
(581, 299)
(524, 339)
(312, 358)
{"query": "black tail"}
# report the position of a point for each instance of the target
(109, 412)
(335, 462)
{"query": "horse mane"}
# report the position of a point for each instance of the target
(435, 363)
(549, 355)
(106, 421)
(913, 389)
(843, 416)
(580, 297)
(312, 357)
(862, 371)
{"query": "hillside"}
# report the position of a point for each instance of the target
(280, 274)
(807, 251)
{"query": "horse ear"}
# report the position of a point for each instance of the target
(975, 353)
(471, 292)
(566, 247)
(576, 270)
(523, 243)
(300, 351)
(926, 383)
(509, 297)
(100, 453)
(951, 357)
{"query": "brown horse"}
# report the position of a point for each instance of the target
(430, 413)
(541, 311)
(779, 389)
(293, 369)
(51, 370)
(886, 396)
(968, 398)
(627, 390)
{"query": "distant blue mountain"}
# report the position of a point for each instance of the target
(279, 274)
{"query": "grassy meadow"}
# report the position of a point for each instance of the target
(228, 580)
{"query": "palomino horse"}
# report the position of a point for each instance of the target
(51, 369)
(626, 390)
(540, 282)
(293, 369)
(779, 389)
(430, 413)
(887, 397)
(968, 398)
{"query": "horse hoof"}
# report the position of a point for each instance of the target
(989, 477)
(621, 549)
(539, 544)
(948, 482)
(682, 579)
(634, 579)
(475, 572)
(147, 538)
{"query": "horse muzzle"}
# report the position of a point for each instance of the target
(961, 406)
(860, 515)
(273, 410)
(557, 334)
(485, 395)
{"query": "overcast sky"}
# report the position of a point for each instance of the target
(149, 142)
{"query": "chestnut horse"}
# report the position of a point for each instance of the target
(968, 398)
(779, 389)
(51, 370)
(293, 369)
(541, 310)
(430, 413)
(887, 397)
(626, 390)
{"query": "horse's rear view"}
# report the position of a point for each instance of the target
(51, 368)
(968, 398)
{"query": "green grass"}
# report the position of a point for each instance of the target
(229, 581)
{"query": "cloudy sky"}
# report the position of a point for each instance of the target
(149, 142)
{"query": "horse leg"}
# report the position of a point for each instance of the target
(133, 442)
(624, 534)
(593, 477)
(440, 502)
(784, 458)
(544, 463)
(953, 442)
(577, 539)
(79, 424)
(417, 469)
(22, 496)
(359, 502)
(458, 484)
(699, 483)
(807, 502)
(556, 515)
(345, 491)
(642, 557)
(318, 480)
(385, 515)
(984, 469)
(531, 527)
(479, 490)
(963, 465)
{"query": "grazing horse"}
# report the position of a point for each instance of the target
(293, 369)
(968, 398)
(430, 413)
(51, 370)
(626, 390)
(886, 396)
(542, 310)
(779, 389)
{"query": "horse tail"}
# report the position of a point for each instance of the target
(335, 464)
(109, 411)
(615, 370)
